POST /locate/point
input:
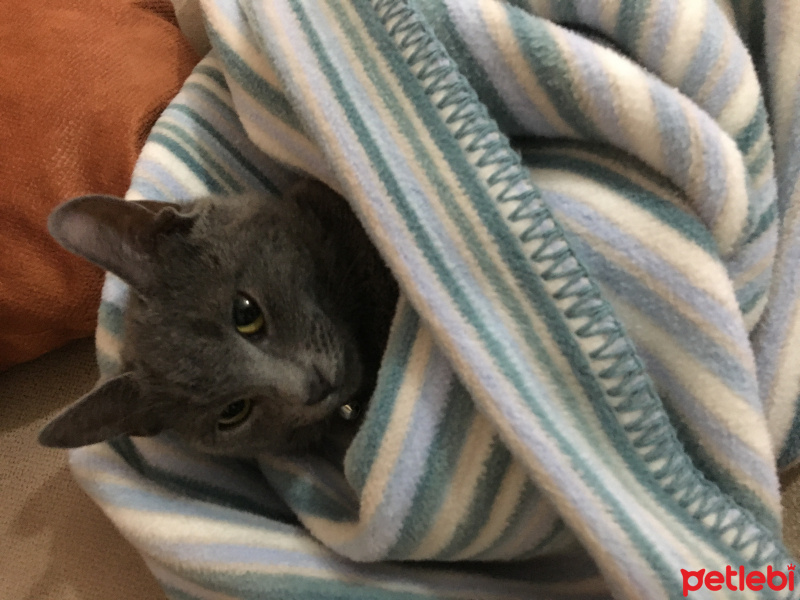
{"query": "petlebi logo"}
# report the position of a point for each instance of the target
(738, 579)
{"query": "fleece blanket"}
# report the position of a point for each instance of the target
(592, 374)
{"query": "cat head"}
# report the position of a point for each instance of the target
(231, 339)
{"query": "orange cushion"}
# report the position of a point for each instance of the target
(82, 83)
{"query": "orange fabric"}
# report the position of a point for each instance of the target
(81, 83)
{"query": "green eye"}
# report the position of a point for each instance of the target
(234, 413)
(247, 316)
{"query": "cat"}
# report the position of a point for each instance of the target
(253, 320)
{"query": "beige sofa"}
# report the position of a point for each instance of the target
(54, 542)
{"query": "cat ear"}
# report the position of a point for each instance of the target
(116, 234)
(113, 408)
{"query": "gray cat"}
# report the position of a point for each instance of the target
(253, 319)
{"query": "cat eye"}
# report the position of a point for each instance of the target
(234, 413)
(247, 316)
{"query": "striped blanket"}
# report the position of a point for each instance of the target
(592, 208)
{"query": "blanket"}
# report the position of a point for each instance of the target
(592, 374)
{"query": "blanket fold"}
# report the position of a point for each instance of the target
(589, 372)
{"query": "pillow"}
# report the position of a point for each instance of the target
(81, 83)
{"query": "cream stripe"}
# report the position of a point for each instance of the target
(727, 10)
(687, 31)
(540, 8)
(741, 107)
(634, 107)
(461, 489)
(232, 34)
(584, 99)
(108, 344)
(208, 83)
(732, 216)
(699, 269)
(205, 106)
(152, 528)
(193, 149)
(153, 181)
(192, 185)
(111, 472)
(754, 270)
(739, 352)
(764, 139)
(639, 174)
(713, 74)
(388, 453)
(496, 19)
(784, 52)
(295, 149)
(739, 418)
(752, 318)
(505, 502)
(609, 14)
(544, 523)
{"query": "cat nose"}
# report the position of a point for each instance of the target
(319, 388)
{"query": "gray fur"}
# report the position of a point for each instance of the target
(326, 295)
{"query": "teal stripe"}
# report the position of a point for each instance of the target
(112, 318)
(270, 98)
(438, 17)
(529, 497)
(493, 471)
(719, 474)
(748, 298)
(443, 455)
(760, 161)
(552, 70)
(564, 12)
(198, 490)
(212, 73)
(765, 221)
(208, 160)
(188, 160)
(240, 159)
(680, 221)
(753, 130)
(308, 496)
(392, 372)
(629, 22)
